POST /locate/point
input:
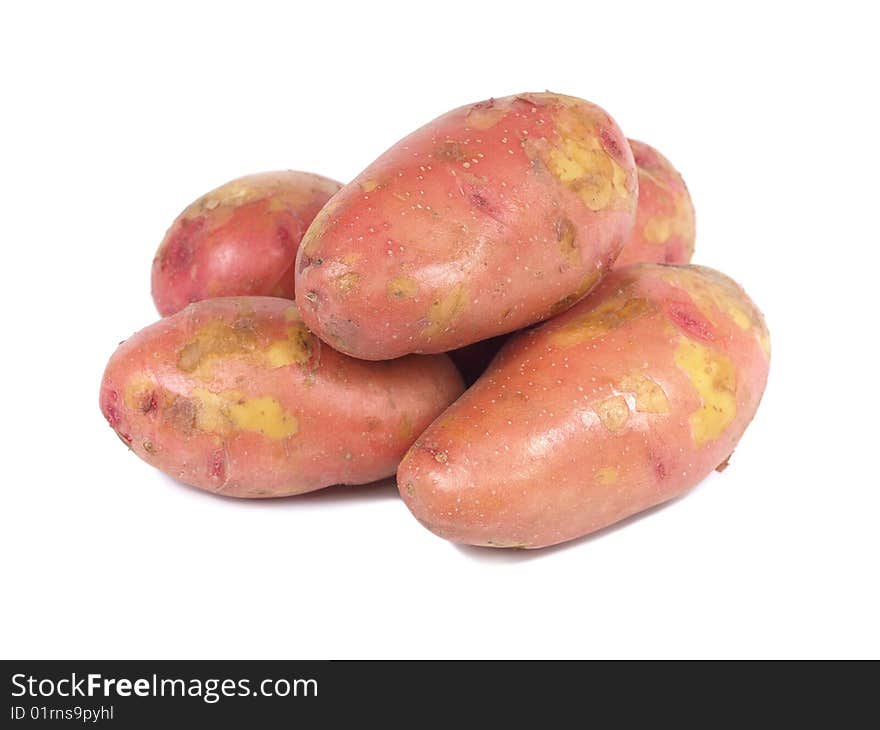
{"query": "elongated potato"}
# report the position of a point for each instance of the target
(665, 229)
(237, 397)
(490, 218)
(623, 402)
(238, 240)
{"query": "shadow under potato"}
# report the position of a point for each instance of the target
(384, 489)
(519, 555)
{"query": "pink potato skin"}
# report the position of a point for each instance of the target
(665, 228)
(237, 397)
(625, 401)
(486, 220)
(238, 240)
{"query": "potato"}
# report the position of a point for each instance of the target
(237, 397)
(625, 401)
(490, 218)
(665, 229)
(240, 239)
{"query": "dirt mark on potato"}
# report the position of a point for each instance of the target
(486, 114)
(599, 321)
(443, 312)
(566, 235)
(613, 412)
(347, 283)
(650, 396)
(219, 340)
(606, 475)
(401, 287)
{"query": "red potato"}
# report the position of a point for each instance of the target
(240, 239)
(665, 227)
(623, 402)
(488, 219)
(237, 397)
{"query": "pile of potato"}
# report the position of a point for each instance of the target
(307, 326)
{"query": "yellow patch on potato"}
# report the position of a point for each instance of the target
(607, 475)
(347, 282)
(405, 428)
(295, 350)
(401, 287)
(277, 203)
(660, 228)
(650, 396)
(599, 321)
(613, 412)
(230, 411)
(216, 339)
(234, 193)
(443, 312)
(714, 378)
(740, 317)
(219, 340)
(580, 162)
(264, 415)
(138, 391)
(764, 340)
(311, 240)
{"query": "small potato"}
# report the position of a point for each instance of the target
(240, 239)
(665, 229)
(488, 219)
(625, 401)
(237, 397)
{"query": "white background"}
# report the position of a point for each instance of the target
(115, 118)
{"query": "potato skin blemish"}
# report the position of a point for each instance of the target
(443, 312)
(402, 287)
(714, 378)
(650, 396)
(607, 475)
(606, 317)
(613, 412)
(347, 282)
